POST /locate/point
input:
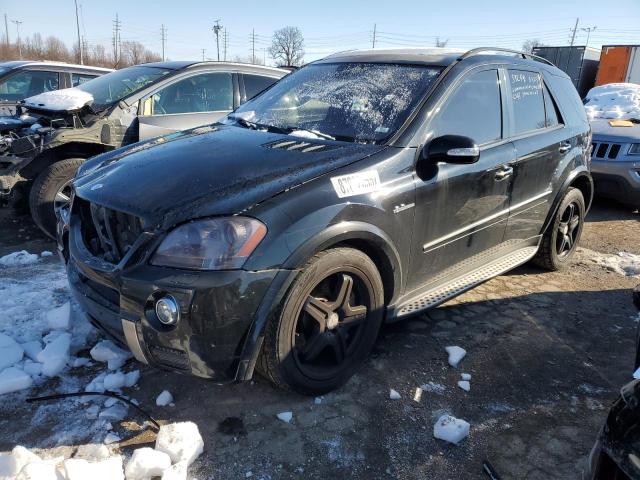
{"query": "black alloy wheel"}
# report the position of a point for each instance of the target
(568, 230)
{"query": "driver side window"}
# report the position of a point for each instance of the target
(474, 109)
(207, 92)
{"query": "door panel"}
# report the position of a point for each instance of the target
(155, 125)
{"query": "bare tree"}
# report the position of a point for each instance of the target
(529, 45)
(287, 46)
(441, 43)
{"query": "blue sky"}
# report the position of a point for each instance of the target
(330, 25)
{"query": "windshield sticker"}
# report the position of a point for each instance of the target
(356, 183)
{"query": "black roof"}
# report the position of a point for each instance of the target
(423, 56)
(23, 63)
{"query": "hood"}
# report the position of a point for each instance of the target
(603, 131)
(206, 171)
(67, 100)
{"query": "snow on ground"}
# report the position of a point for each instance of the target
(615, 100)
(57, 100)
(623, 263)
(17, 259)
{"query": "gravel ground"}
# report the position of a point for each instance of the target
(547, 353)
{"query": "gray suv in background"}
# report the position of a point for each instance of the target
(615, 160)
(20, 79)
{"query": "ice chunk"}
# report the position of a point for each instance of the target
(46, 253)
(181, 441)
(42, 470)
(393, 395)
(10, 351)
(114, 381)
(146, 463)
(55, 355)
(80, 469)
(92, 412)
(80, 362)
(465, 376)
(131, 378)
(58, 100)
(32, 349)
(455, 355)
(59, 317)
(97, 384)
(636, 374)
(317, 400)
(17, 259)
(433, 387)
(110, 401)
(93, 451)
(12, 463)
(177, 471)
(164, 399)
(114, 413)
(111, 438)
(32, 368)
(285, 416)
(450, 429)
(107, 351)
(464, 385)
(13, 379)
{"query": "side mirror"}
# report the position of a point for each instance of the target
(451, 149)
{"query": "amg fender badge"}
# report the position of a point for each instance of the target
(402, 207)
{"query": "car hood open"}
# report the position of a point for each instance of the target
(215, 170)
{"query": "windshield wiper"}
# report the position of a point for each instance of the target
(318, 133)
(243, 122)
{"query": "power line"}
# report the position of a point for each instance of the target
(588, 30)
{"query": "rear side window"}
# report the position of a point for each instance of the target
(254, 84)
(473, 110)
(551, 112)
(527, 100)
(80, 78)
(27, 83)
(206, 92)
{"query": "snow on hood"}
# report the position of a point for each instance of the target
(65, 99)
(615, 100)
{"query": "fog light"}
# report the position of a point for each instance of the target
(167, 310)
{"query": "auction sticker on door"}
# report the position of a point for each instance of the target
(356, 183)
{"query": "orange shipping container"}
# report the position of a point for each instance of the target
(618, 63)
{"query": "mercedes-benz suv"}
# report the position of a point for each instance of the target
(365, 187)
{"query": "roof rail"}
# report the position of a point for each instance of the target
(479, 50)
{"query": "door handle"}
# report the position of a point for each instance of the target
(564, 147)
(503, 173)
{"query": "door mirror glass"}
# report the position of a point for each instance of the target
(452, 149)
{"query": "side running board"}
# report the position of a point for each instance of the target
(461, 284)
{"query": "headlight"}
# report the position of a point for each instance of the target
(212, 244)
(634, 149)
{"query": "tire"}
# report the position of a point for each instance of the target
(301, 355)
(43, 193)
(550, 255)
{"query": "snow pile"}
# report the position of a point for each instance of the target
(65, 99)
(181, 441)
(164, 399)
(615, 100)
(451, 429)
(147, 463)
(456, 354)
(80, 469)
(623, 263)
(17, 259)
(107, 351)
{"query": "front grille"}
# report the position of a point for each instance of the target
(606, 150)
(107, 234)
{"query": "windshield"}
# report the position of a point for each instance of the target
(113, 87)
(361, 102)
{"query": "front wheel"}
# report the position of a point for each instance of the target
(561, 239)
(328, 323)
(51, 191)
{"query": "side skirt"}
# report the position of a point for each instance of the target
(452, 288)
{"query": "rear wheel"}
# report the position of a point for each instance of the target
(51, 191)
(561, 239)
(327, 324)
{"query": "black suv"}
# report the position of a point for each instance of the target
(362, 188)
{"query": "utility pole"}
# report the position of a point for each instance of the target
(203, 50)
(78, 30)
(116, 41)
(226, 38)
(588, 30)
(6, 29)
(163, 36)
(216, 30)
(18, 22)
(374, 36)
(573, 31)
(253, 46)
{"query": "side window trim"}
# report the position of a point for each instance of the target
(178, 78)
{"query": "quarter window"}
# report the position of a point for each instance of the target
(208, 92)
(79, 78)
(27, 84)
(474, 110)
(528, 101)
(551, 112)
(254, 84)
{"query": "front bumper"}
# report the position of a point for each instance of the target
(619, 180)
(215, 336)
